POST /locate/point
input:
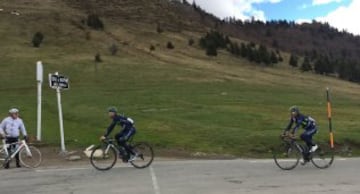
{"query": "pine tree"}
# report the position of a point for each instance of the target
(211, 50)
(264, 55)
(306, 66)
(274, 58)
(243, 50)
(293, 61)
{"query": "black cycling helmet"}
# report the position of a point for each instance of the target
(112, 109)
(294, 109)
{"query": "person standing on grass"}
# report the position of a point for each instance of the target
(10, 129)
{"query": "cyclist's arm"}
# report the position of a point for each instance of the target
(297, 126)
(110, 129)
(287, 129)
(23, 130)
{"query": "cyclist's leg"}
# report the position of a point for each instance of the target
(118, 138)
(307, 137)
(10, 140)
(126, 136)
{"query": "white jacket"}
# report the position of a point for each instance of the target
(12, 127)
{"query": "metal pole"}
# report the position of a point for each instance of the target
(39, 78)
(329, 117)
(38, 137)
(58, 93)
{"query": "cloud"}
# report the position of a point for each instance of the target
(303, 6)
(241, 9)
(324, 2)
(344, 17)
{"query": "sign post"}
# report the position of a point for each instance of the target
(59, 82)
(39, 79)
(329, 117)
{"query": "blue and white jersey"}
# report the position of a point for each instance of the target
(126, 124)
(306, 122)
(12, 127)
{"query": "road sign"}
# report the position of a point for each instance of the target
(58, 81)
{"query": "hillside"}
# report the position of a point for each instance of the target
(181, 99)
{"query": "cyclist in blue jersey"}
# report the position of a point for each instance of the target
(127, 131)
(298, 120)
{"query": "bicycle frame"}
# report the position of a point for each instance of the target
(110, 143)
(22, 144)
(301, 148)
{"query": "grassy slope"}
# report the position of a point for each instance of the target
(180, 99)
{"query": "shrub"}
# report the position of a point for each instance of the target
(98, 58)
(191, 42)
(113, 49)
(94, 22)
(170, 45)
(211, 50)
(152, 48)
(88, 35)
(159, 29)
(37, 39)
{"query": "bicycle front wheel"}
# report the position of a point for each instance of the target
(103, 157)
(286, 156)
(3, 156)
(144, 155)
(30, 158)
(323, 158)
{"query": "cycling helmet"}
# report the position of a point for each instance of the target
(294, 109)
(113, 109)
(14, 111)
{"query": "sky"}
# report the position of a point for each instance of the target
(341, 14)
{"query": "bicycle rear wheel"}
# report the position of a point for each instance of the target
(323, 157)
(103, 157)
(30, 158)
(144, 155)
(286, 156)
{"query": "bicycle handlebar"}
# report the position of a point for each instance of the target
(290, 137)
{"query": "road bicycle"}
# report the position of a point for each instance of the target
(104, 156)
(287, 156)
(29, 155)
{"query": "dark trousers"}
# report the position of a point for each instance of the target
(123, 137)
(307, 137)
(10, 140)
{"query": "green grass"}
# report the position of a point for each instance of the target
(180, 100)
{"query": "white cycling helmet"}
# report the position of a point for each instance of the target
(14, 111)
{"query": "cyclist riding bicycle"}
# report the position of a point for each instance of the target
(10, 128)
(306, 122)
(128, 131)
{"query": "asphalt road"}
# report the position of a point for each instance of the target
(186, 177)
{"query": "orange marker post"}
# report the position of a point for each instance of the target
(329, 117)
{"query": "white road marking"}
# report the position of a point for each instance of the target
(154, 181)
